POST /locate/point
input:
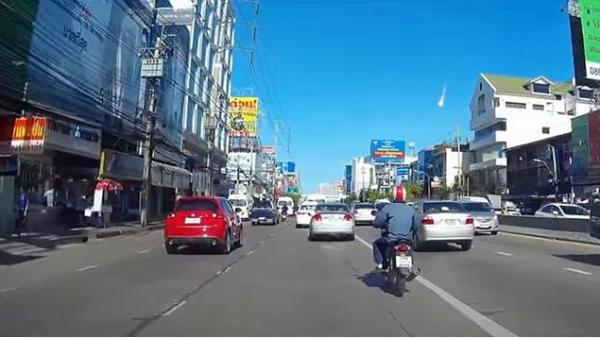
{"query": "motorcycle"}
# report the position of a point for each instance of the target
(400, 267)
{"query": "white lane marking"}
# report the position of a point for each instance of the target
(581, 272)
(504, 253)
(89, 267)
(143, 251)
(14, 288)
(250, 253)
(491, 327)
(226, 269)
(173, 309)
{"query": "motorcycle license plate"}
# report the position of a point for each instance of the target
(404, 261)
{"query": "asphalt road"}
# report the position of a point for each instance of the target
(280, 284)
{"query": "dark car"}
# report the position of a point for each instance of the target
(595, 218)
(263, 212)
(203, 221)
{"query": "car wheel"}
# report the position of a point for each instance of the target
(417, 245)
(170, 248)
(227, 245)
(311, 237)
(350, 238)
(495, 232)
(466, 245)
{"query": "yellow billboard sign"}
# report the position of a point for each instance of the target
(243, 116)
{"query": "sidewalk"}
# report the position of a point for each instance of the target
(126, 228)
(570, 236)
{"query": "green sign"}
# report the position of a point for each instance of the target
(590, 25)
(292, 190)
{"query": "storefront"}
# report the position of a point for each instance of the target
(56, 165)
(127, 169)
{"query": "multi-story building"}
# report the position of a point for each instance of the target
(207, 85)
(511, 111)
(363, 174)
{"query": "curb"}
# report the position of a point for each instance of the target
(52, 244)
(562, 239)
(121, 232)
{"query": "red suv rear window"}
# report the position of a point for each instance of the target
(194, 205)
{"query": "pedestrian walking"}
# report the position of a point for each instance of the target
(22, 207)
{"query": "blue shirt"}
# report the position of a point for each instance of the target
(397, 219)
(22, 202)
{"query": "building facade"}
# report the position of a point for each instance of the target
(508, 111)
(363, 174)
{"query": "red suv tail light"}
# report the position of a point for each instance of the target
(347, 217)
(218, 216)
(317, 218)
(171, 215)
(427, 220)
(469, 220)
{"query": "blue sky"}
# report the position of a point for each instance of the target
(341, 73)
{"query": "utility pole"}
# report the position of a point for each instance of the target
(555, 171)
(152, 69)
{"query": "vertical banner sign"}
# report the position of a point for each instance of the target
(590, 24)
(243, 114)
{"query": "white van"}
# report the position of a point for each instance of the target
(243, 202)
(286, 200)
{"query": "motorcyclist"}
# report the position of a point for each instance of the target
(396, 221)
(284, 210)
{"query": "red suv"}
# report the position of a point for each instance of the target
(205, 221)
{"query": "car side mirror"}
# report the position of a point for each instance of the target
(238, 210)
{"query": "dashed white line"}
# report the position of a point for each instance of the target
(89, 267)
(581, 272)
(502, 253)
(485, 323)
(14, 288)
(143, 251)
(173, 309)
(226, 270)
(249, 253)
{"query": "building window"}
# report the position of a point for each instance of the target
(481, 104)
(550, 106)
(545, 130)
(516, 105)
(542, 88)
(480, 85)
(571, 112)
(586, 93)
(496, 102)
(558, 97)
(538, 107)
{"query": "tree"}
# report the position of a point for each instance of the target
(413, 190)
(296, 198)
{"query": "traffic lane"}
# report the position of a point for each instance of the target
(526, 291)
(69, 257)
(113, 298)
(293, 287)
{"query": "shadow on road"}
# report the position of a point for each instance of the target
(592, 259)
(438, 247)
(377, 280)
(10, 259)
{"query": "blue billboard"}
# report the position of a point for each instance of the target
(291, 167)
(388, 151)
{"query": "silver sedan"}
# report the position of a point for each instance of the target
(443, 221)
(332, 219)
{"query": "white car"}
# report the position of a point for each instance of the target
(560, 210)
(332, 219)
(364, 213)
(244, 203)
(304, 215)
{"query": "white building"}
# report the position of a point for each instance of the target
(509, 111)
(207, 85)
(363, 174)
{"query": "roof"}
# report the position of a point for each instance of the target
(516, 85)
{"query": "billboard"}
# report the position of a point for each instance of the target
(84, 59)
(23, 135)
(291, 167)
(269, 150)
(590, 27)
(388, 151)
(243, 114)
(402, 173)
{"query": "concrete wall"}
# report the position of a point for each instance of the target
(556, 224)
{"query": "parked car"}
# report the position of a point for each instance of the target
(443, 221)
(304, 215)
(595, 218)
(332, 219)
(510, 208)
(560, 210)
(364, 213)
(484, 217)
(203, 221)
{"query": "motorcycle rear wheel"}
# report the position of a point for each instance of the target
(397, 282)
